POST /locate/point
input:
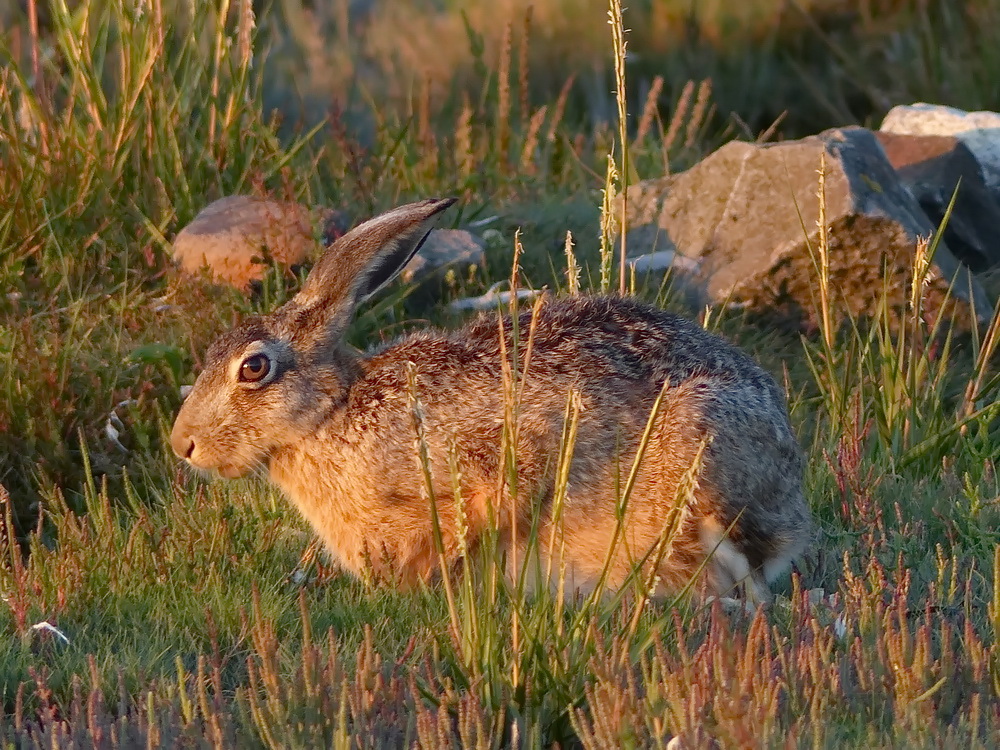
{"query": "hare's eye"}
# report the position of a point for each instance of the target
(255, 368)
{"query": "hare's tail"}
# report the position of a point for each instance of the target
(729, 568)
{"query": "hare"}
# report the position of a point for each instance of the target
(716, 497)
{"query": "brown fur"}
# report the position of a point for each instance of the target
(336, 430)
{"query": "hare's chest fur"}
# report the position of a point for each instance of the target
(359, 484)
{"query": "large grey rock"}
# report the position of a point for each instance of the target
(933, 167)
(235, 238)
(978, 131)
(748, 215)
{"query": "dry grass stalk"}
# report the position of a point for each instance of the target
(683, 495)
(523, 65)
(560, 108)
(219, 46)
(572, 269)
(608, 223)
(919, 278)
(461, 515)
(772, 129)
(158, 27)
(567, 445)
(619, 46)
(649, 111)
(679, 116)
(343, 12)
(244, 34)
(531, 140)
(463, 140)
(422, 453)
(503, 96)
(507, 486)
(625, 496)
(824, 256)
(41, 95)
(984, 356)
(425, 133)
(699, 112)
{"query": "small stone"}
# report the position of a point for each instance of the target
(662, 261)
(978, 131)
(443, 249)
(237, 237)
(492, 299)
(684, 285)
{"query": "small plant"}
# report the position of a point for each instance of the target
(898, 368)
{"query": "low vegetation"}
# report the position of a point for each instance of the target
(144, 605)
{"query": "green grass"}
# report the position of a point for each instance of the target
(187, 614)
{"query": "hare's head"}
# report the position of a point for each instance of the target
(273, 380)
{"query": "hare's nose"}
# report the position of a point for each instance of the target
(183, 445)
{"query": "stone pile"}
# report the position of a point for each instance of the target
(744, 225)
(236, 239)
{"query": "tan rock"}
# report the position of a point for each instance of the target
(237, 237)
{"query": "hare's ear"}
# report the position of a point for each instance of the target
(355, 267)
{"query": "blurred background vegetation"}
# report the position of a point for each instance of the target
(809, 63)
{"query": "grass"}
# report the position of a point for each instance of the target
(188, 616)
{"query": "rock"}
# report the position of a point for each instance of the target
(932, 167)
(978, 131)
(645, 203)
(443, 249)
(236, 237)
(335, 225)
(645, 200)
(748, 215)
(652, 267)
(662, 261)
(493, 299)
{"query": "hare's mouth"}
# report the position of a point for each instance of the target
(231, 471)
(226, 471)
(253, 467)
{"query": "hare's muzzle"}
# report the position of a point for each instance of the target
(182, 444)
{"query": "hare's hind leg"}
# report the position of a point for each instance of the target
(781, 560)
